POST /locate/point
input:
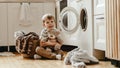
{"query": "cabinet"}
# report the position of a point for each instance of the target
(99, 7)
(13, 22)
(99, 25)
(99, 32)
(3, 24)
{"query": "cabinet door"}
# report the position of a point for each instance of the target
(99, 7)
(13, 21)
(99, 33)
(3, 24)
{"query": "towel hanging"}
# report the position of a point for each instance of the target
(25, 15)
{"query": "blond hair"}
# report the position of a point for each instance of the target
(47, 16)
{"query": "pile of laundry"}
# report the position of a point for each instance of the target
(79, 58)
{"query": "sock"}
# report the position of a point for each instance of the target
(58, 57)
(37, 56)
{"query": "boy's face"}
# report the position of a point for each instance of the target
(49, 23)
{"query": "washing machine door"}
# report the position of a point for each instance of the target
(69, 20)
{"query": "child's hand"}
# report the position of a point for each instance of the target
(57, 46)
(51, 43)
(57, 32)
(44, 44)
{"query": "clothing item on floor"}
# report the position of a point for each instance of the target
(79, 58)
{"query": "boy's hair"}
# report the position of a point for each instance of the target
(47, 16)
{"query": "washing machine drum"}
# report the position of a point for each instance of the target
(69, 20)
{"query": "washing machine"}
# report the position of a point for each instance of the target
(75, 22)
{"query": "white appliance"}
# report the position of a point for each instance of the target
(83, 35)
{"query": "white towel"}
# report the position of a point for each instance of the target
(25, 15)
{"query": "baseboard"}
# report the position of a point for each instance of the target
(12, 48)
(68, 47)
(5, 48)
(99, 54)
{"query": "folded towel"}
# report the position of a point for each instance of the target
(25, 15)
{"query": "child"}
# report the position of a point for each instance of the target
(50, 41)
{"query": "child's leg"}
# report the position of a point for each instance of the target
(57, 46)
(42, 52)
(60, 54)
(48, 49)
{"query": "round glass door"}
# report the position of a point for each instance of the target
(69, 19)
